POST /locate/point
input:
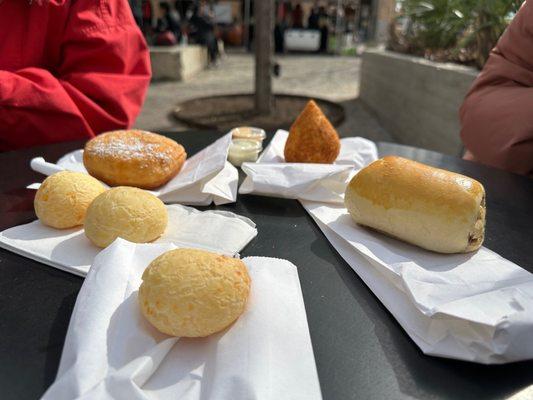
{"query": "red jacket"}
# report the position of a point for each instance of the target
(497, 115)
(69, 69)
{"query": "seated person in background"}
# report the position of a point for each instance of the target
(497, 114)
(69, 69)
(168, 21)
(202, 21)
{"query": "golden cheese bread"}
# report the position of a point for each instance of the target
(63, 198)
(126, 212)
(133, 158)
(193, 293)
(312, 138)
(429, 207)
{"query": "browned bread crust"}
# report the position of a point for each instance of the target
(133, 158)
(432, 208)
(312, 138)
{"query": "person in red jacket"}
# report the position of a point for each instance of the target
(69, 69)
(497, 114)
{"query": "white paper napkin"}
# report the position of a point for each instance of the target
(112, 352)
(71, 251)
(272, 176)
(206, 177)
(475, 307)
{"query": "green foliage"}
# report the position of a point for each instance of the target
(459, 30)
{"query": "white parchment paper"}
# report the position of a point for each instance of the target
(70, 250)
(475, 307)
(272, 176)
(205, 178)
(112, 352)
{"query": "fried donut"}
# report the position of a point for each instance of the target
(133, 158)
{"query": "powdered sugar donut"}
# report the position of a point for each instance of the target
(133, 158)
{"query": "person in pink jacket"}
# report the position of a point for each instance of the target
(497, 114)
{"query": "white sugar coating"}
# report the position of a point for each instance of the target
(129, 148)
(133, 158)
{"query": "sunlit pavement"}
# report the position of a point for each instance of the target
(329, 77)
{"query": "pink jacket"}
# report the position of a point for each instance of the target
(497, 114)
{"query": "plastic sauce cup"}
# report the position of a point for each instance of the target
(244, 150)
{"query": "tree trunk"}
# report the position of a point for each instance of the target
(264, 25)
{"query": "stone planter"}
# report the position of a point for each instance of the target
(177, 63)
(415, 99)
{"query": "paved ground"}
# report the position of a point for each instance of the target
(329, 77)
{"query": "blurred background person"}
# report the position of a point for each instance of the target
(137, 11)
(298, 17)
(203, 30)
(80, 72)
(496, 116)
(182, 6)
(323, 25)
(147, 14)
(282, 12)
(168, 25)
(312, 21)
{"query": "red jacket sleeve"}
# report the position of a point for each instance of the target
(497, 114)
(99, 84)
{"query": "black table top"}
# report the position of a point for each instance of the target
(361, 352)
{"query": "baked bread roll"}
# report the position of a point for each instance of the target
(193, 293)
(63, 198)
(432, 208)
(133, 158)
(130, 213)
(312, 138)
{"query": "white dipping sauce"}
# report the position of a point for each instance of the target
(244, 150)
